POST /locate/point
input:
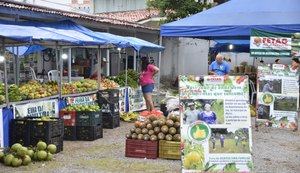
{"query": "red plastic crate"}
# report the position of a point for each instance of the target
(69, 117)
(141, 149)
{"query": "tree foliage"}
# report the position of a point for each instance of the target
(176, 9)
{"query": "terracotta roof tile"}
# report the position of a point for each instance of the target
(35, 8)
(131, 16)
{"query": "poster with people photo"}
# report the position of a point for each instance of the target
(1, 130)
(215, 124)
(278, 96)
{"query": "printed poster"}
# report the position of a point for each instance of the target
(82, 100)
(1, 130)
(215, 124)
(37, 109)
(278, 96)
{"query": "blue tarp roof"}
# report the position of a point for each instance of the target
(238, 46)
(25, 50)
(68, 31)
(26, 33)
(235, 18)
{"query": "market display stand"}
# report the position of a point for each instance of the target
(136, 100)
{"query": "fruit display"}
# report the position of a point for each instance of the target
(19, 155)
(81, 86)
(93, 108)
(35, 90)
(108, 84)
(132, 78)
(129, 116)
(155, 128)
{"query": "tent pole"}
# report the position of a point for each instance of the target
(134, 60)
(159, 61)
(61, 71)
(5, 72)
(17, 67)
(119, 62)
(99, 68)
(56, 55)
(69, 64)
(107, 62)
(126, 66)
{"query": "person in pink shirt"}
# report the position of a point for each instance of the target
(147, 81)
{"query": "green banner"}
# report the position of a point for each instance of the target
(215, 124)
(278, 96)
(270, 44)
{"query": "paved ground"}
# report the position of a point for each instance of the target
(274, 150)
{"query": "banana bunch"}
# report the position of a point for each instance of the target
(252, 111)
(129, 116)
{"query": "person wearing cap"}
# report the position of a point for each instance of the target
(191, 115)
(219, 67)
(277, 61)
(207, 115)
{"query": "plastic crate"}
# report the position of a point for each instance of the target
(141, 149)
(109, 94)
(46, 129)
(169, 150)
(89, 133)
(111, 121)
(58, 141)
(19, 132)
(70, 133)
(88, 118)
(109, 107)
(69, 117)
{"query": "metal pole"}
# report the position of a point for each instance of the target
(99, 68)
(17, 67)
(61, 72)
(56, 55)
(69, 64)
(5, 72)
(134, 60)
(126, 68)
(159, 61)
(119, 62)
(107, 62)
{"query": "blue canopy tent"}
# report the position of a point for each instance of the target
(25, 50)
(237, 46)
(235, 18)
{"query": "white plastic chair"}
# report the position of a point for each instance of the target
(53, 75)
(253, 90)
(34, 76)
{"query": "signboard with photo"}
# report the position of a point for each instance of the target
(215, 124)
(82, 100)
(1, 130)
(278, 95)
(37, 109)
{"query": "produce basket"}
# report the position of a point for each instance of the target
(58, 141)
(89, 133)
(46, 129)
(141, 149)
(70, 133)
(169, 150)
(111, 121)
(19, 132)
(69, 117)
(109, 94)
(109, 107)
(88, 118)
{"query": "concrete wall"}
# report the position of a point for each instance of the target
(101, 6)
(184, 56)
